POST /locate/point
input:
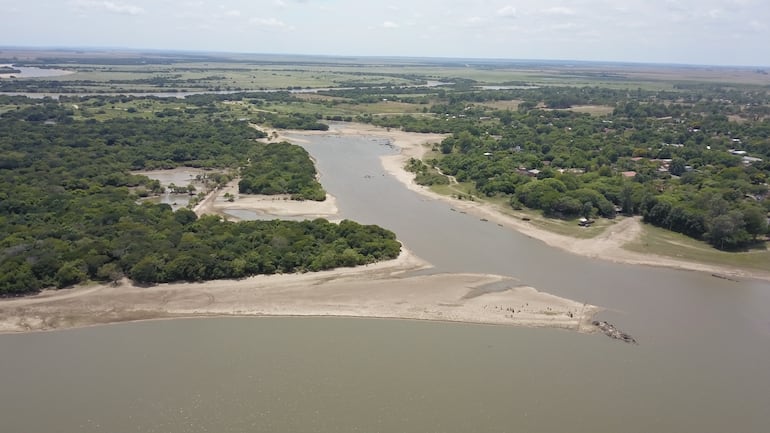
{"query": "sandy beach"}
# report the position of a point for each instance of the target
(380, 290)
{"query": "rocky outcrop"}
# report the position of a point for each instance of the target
(611, 331)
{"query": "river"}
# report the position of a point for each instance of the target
(185, 93)
(700, 365)
(33, 72)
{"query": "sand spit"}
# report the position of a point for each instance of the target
(380, 290)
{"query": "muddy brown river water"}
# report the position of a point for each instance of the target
(701, 364)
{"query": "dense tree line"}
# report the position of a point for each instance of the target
(685, 168)
(425, 174)
(291, 121)
(69, 209)
(281, 168)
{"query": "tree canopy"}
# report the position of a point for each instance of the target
(281, 168)
(69, 209)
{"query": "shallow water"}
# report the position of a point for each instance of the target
(700, 365)
(178, 176)
(33, 72)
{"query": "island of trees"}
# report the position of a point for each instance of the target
(281, 168)
(9, 70)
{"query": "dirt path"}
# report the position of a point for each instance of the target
(206, 206)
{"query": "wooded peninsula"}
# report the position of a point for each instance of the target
(71, 209)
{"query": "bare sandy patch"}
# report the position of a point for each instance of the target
(380, 290)
(594, 110)
(279, 206)
(512, 104)
(180, 176)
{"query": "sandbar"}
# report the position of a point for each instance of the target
(381, 290)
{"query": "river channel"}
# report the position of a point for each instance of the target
(33, 72)
(700, 366)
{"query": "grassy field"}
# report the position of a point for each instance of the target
(654, 240)
(568, 227)
(503, 105)
(658, 241)
(594, 110)
(119, 71)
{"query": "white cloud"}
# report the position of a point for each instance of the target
(390, 25)
(757, 25)
(233, 13)
(715, 13)
(559, 10)
(507, 12)
(564, 26)
(110, 6)
(272, 22)
(473, 21)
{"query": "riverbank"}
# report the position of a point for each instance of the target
(608, 245)
(380, 290)
(10, 71)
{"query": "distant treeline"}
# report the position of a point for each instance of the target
(291, 121)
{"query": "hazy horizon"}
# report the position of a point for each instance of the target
(427, 59)
(680, 32)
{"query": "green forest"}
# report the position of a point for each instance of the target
(69, 209)
(281, 168)
(697, 164)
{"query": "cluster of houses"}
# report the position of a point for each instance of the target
(748, 160)
(534, 172)
(664, 165)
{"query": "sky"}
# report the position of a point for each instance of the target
(703, 32)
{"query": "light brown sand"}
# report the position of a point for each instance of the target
(379, 290)
(278, 206)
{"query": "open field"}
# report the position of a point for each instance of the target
(594, 110)
(655, 240)
(503, 105)
(136, 71)
(535, 218)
